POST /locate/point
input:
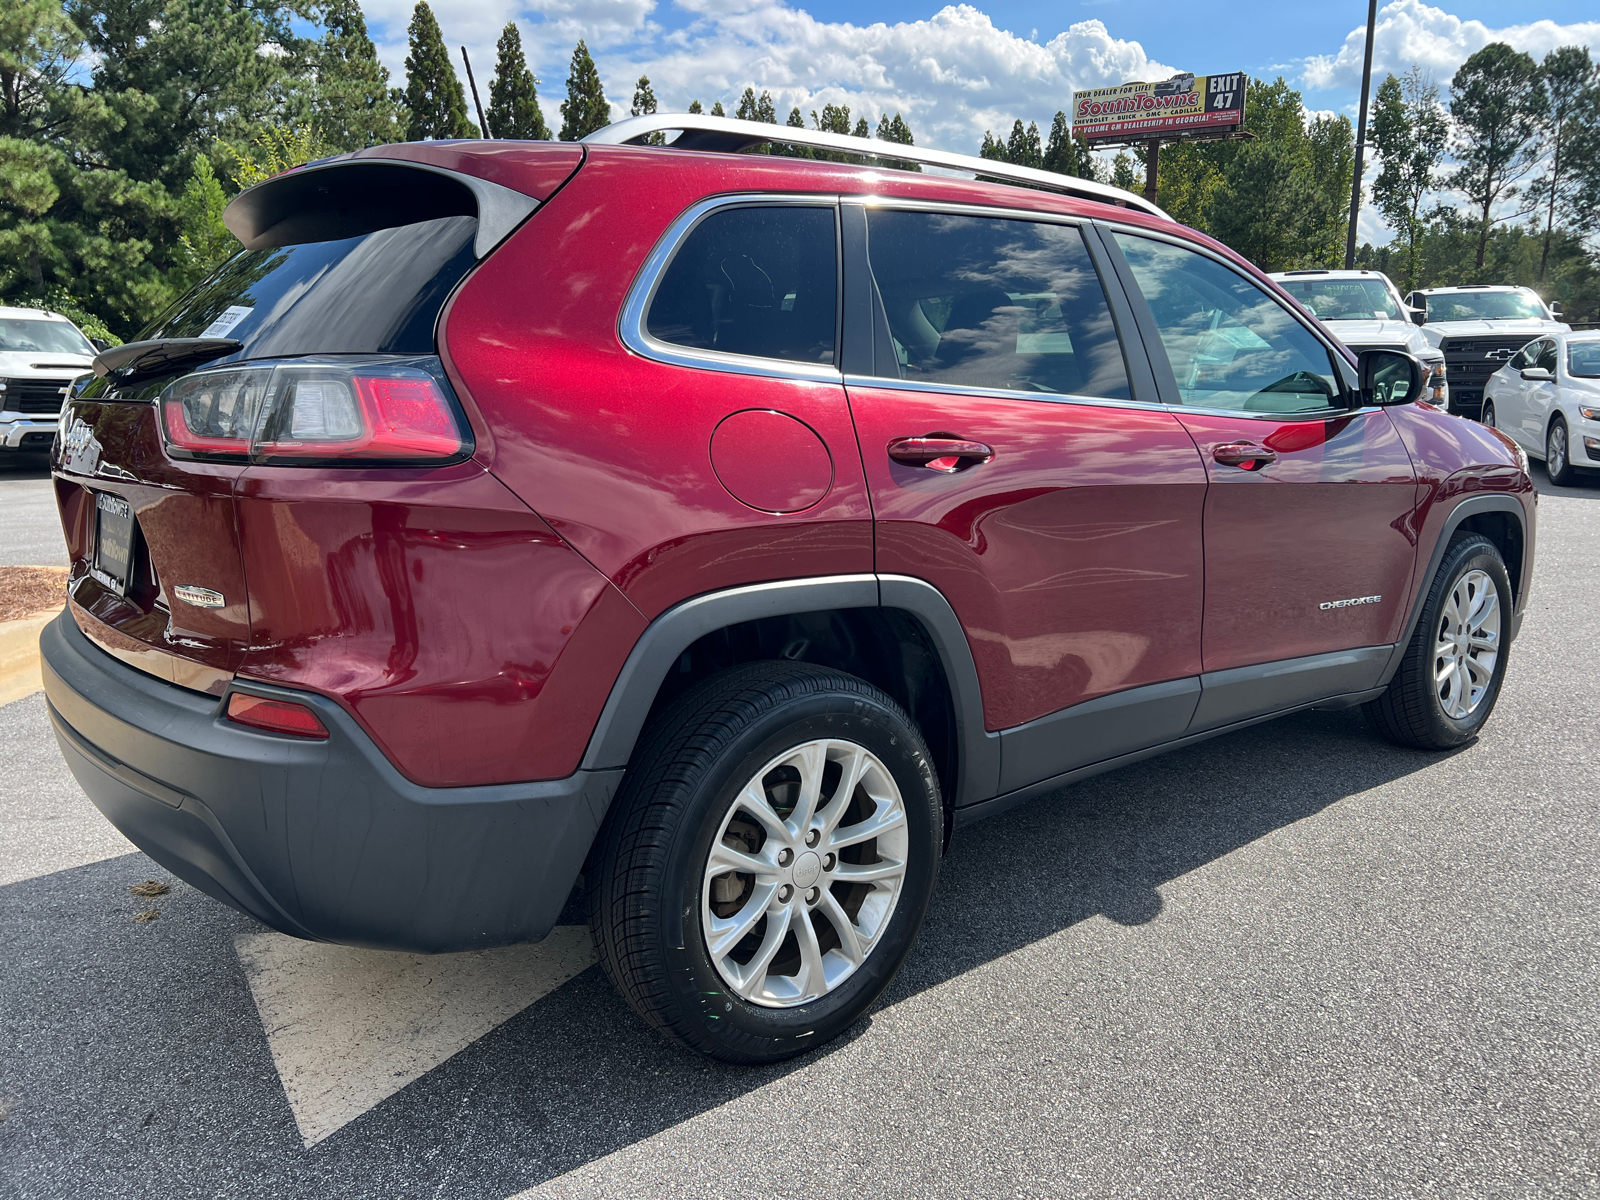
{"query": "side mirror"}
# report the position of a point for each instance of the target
(1537, 375)
(1555, 309)
(1390, 377)
(100, 343)
(1419, 316)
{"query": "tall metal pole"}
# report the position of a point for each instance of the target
(1361, 139)
(484, 125)
(1152, 165)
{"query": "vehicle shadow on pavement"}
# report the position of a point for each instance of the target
(137, 1049)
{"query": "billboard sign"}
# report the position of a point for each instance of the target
(1172, 107)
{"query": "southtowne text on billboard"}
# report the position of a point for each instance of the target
(1172, 108)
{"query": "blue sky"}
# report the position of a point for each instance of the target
(955, 71)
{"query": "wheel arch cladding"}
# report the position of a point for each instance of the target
(899, 634)
(1498, 518)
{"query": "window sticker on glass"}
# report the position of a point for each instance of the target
(230, 317)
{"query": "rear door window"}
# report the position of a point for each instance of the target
(989, 302)
(379, 293)
(1231, 344)
(755, 281)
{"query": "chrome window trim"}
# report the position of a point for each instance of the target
(959, 209)
(948, 389)
(634, 334)
(1333, 347)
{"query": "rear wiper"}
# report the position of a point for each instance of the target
(161, 355)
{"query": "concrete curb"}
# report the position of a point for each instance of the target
(19, 656)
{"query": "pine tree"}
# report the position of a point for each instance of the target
(788, 149)
(1023, 148)
(899, 133)
(585, 109)
(514, 110)
(716, 110)
(694, 107)
(1065, 154)
(746, 109)
(644, 104)
(438, 106)
(862, 129)
(835, 118)
(1497, 105)
(1410, 132)
(993, 148)
(352, 104)
(766, 110)
(1571, 87)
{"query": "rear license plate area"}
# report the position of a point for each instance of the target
(113, 542)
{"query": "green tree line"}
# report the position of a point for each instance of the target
(127, 125)
(1517, 140)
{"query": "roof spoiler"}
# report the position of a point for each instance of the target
(345, 197)
(161, 354)
(699, 132)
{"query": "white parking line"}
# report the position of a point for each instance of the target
(350, 1028)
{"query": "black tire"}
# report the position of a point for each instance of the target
(645, 875)
(1558, 458)
(1411, 712)
(1487, 416)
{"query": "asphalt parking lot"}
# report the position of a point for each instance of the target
(1291, 962)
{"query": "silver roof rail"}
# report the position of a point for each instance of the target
(699, 132)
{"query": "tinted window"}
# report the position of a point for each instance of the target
(42, 337)
(1231, 344)
(378, 293)
(757, 281)
(994, 303)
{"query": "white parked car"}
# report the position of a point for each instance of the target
(1548, 399)
(41, 353)
(1478, 327)
(1363, 310)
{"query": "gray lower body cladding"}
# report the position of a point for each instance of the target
(319, 839)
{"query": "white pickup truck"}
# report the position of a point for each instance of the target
(1478, 327)
(41, 353)
(1363, 310)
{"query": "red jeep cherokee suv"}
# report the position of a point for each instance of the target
(721, 530)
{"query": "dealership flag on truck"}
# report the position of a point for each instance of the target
(1136, 111)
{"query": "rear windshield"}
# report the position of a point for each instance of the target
(42, 337)
(379, 293)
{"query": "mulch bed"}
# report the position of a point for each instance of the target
(25, 591)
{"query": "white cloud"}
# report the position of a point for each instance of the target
(1411, 32)
(952, 76)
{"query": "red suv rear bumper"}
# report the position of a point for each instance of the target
(319, 839)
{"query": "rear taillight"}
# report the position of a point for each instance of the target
(275, 716)
(302, 413)
(211, 414)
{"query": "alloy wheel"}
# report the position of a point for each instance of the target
(1468, 644)
(1555, 450)
(804, 873)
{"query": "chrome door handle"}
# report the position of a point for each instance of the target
(1244, 455)
(939, 452)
